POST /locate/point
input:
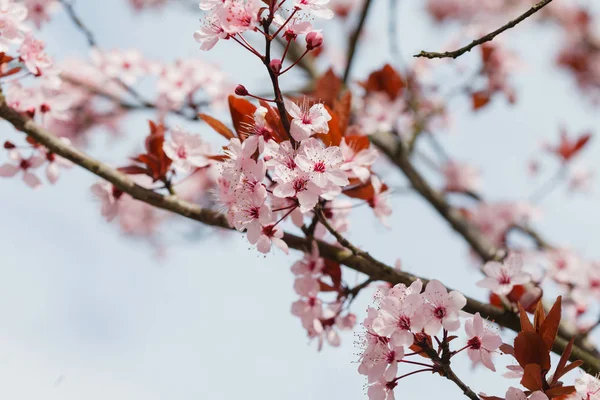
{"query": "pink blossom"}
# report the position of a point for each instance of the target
(317, 7)
(239, 16)
(293, 28)
(23, 165)
(516, 394)
(264, 236)
(311, 264)
(482, 343)
(238, 157)
(307, 309)
(503, 276)
(32, 54)
(12, 15)
(461, 177)
(251, 209)
(126, 65)
(209, 34)
(207, 5)
(379, 202)
(55, 163)
(588, 387)
(321, 163)
(314, 39)
(514, 372)
(109, 196)
(39, 11)
(387, 364)
(307, 121)
(297, 184)
(443, 308)
(187, 151)
(357, 163)
(382, 389)
(401, 314)
(580, 179)
(306, 286)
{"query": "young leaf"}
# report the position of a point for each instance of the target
(327, 88)
(242, 115)
(218, 126)
(531, 349)
(538, 316)
(549, 327)
(525, 322)
(559, 391)
(532, 377)
(563, 362)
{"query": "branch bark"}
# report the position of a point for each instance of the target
(487, 38)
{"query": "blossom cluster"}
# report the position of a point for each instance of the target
(406, 317)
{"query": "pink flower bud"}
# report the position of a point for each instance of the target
(275, 65)
(241, 90)
(314, 39)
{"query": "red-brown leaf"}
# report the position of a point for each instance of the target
(358, 142)
(134, 170)
(242, 115)
(549, 328)
(385, 80)
(532, 377)
(572, 366)
(559, 391)
(218, 126)
(274, 121)
(531, 349)
(563, 361)
(479, 99)
(334, 271)
(343, 108)
(538, 316)
(334, 136)
(525, 322)
(507, 349)
(327, 88)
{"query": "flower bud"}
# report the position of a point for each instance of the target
(275, 65)
(9, 145)
(314, 39)
(241, 90)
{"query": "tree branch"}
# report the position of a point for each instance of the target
(374, 269)
(487, 38)
(353, 43)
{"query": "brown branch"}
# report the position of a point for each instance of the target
(376, 270)
(490, 36)
(353, 43)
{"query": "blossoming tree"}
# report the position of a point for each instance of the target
(285, 168)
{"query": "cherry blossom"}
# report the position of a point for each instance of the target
(482, 343)
(264, 236)
(55, 163)
(33, 56)
(322, 164)
(357, 163)
(126, 65)
(210, 33)
(382, 389)
(12, 15)
(298, 184)
(239, 16)
(187, 151)
(23, 165)
(516, 394)
(503, 276)
(461, 177)
(311, 264)
(307, 121)
(588, 387)
(39, 11)
(109, 196)
(379, 202)
(442, 308)
(387, 364)
(317, 7)
(251, 210)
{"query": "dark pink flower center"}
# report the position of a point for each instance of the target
(439, 312)
(300, 184)
(391, 357)
(474, 343)
(391, 385)
(319, 167)
(504, 279)
(254, 212)
(25, 164)
(182, 153)
(404, 323)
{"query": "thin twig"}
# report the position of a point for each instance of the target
(490, 36)
(353, 43)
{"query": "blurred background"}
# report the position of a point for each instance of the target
(86, 313)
